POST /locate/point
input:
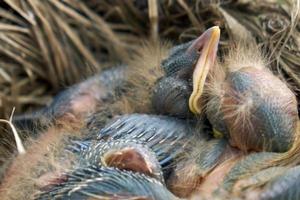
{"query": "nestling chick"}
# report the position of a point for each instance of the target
(76, 113)
(82, 110)
(243, 99)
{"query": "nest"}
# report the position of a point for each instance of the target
(49, 45)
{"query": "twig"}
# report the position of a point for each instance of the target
(20, 147)
(153, 17)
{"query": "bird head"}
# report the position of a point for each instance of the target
(186, 69)
(251, 106)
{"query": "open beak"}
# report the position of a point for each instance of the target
(207, 44)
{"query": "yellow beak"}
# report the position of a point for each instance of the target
(208, 44)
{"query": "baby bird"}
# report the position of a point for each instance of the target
(242, 99)
(80, 112)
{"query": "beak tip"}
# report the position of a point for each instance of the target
(215, 30)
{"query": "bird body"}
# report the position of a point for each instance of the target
(78, 113)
